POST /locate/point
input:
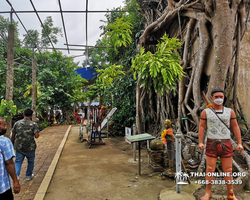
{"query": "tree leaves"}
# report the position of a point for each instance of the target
(118, 34)
(33, 36)
(108, 75)
(161, 69)
(7, 108)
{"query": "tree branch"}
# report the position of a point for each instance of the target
(187, 42)
(161, 22)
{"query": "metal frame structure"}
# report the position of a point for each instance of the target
(42, 25)
(61, 11)
(65, 11)
(59, 1)
(13, 11)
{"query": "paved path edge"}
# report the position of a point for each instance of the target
(48, 176)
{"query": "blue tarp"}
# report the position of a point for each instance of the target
(87, 73)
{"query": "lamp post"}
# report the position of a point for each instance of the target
(178, 159)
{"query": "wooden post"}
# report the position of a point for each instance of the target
(100, 101)
(34, 86)
(10, 73)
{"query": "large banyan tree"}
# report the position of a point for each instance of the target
(211, 32)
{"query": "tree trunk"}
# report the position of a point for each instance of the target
(34, 87)
(10, 74)
(100, 101)
(223, 23)
(211, 44)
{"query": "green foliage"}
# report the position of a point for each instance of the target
(92, 91)
(59, 84)
(4, 27)
(78, 94)
(59, 81)
(7, 108)
(118, 34)
(108, 75)
(161, 69)
(33, 36)
(43, 125)
(124, 100)
(22, 76)
(29, 91)
(123, 56)
(114, 63)
(53, 32)
(3, 67)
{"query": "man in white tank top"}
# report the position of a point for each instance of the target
(218, 142)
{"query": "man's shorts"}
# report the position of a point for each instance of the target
(226, 153)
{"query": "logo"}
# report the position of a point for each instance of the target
(181, 177)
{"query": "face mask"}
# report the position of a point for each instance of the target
(3, 131)
(218, 101)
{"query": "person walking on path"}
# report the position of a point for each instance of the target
(7, 166)
(23, 134)
(217, 120)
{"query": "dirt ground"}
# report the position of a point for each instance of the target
(102, 172)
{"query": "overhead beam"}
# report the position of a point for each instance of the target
(82, 45)
(42, 24)
(34, 43)
(63, 25)
(65, 11)
(63, 49)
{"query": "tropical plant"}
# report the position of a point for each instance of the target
(161, 69)
(51, 31)
(43, 125)
(94, 90)
(31, 39)
(108, 75)
(118, 34)
(210, 57)
(4, 27)
(34, 39)
(29, 91)
(114, 62)
(122, 96)
(7, 108)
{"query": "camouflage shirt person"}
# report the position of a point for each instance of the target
(24, 131)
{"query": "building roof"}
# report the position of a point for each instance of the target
(85, 104)
(92, 104)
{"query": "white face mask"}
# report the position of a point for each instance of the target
(218, 101)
